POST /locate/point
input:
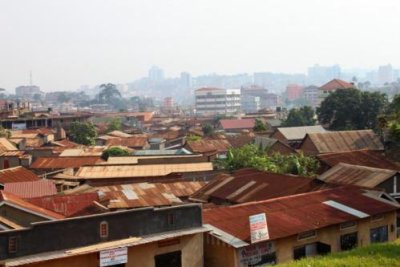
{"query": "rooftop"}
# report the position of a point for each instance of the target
(31, 189)
(64, 162)
(17, 174)
(230, 124)
(336, 84)
(298, 133)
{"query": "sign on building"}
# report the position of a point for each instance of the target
(113, 256)
(258, 228)
(18, 125)
(257, 253)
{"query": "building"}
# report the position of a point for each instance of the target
(297, 226)
(158, 237)
(272, 146)
(168, 102)
(293, 136)
(156, 74)
(340, 141)
(294, 91)
(236, 125)
(385, 74)
(28, 91)
(255, 98)
(311, 95)
(331, 87)
(213, 101)
(319, 74)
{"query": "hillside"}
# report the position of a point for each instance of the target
(387, 254)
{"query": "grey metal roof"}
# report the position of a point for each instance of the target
(298, 133)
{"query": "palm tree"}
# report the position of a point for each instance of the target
(108, 92)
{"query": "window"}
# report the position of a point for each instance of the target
(172, 259)
(379, 234)
(348, 241)
(103, 229)
(312, 249)
(12, 244)
(306, 235)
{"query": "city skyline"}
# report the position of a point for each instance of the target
(73, 43)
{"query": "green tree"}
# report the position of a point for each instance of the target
(304, 116)
(114, 152)
(108, 93)
(250, 156)
(259, 126)
(83, 133)
(351, 109)
(208, 130)
(114, 125)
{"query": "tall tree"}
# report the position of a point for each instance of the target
(351, 109)
(114, 125)
(208, 130)
(83, 133)
(259, 126)
(108, 93)
(304, 116)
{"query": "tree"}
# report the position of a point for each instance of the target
(83, 133)
(259, 126)
(114, 125)
(250, 156)
(208, 130)
(351, 109)
(5, 132)
(114, 152)
(304, 116)
(109, 92)
(63, 97)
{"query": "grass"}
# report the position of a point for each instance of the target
(376, 255)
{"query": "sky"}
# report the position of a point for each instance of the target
(69, 43)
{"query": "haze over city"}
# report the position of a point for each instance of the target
(71, 43)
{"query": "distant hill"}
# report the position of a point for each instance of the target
(385, 254)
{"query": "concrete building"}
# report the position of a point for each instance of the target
(319, 74)
(311, 95)
(28, 91)
(385, 74)
(294, 91)
(156, 74)
(213, 101)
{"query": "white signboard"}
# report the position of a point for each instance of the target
(18, 125)
(113, 256)
(258, 228)
(251, 255)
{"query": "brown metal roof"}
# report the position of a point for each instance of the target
(367, 158)
(125, 171)
(356, 175)
(252, 185)
(17, 174)
(64, 162)
(6, 145)
(31, 189)
(290, 215)
(135, 141)
(343, 141)
(208, 145)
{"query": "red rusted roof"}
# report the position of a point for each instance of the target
(68, 205)
(252, 185)
(227, 124)
(64, 162)
(240, 140)
(19, 202)
(17, 174)
(135, 141)
(6, 145)
(208, 145)
(290, 215)
(336, 84)
(43, 131)
(368, 158)
(31, 189)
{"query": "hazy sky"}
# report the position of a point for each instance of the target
(67, 43)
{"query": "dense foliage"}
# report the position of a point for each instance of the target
(4, 132)
(250, 156)
(351, 109)
(208, 130)
(114, 152)
(260, 126)
(83, 133)
(192, 137)
(114, 125)
(304, 116)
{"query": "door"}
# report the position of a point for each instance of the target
(172, 259)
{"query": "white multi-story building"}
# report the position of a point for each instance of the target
(213, 101)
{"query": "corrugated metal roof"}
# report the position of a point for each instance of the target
(251, 185)
(31, 189)
(368, 158)
(17, 174)
(64, 162)
(119, 134)
(298, 133)
(343, 141)
(143, 194)
(208, 145)
(125, 171)
(291, 215)
(229, 124)
(17, 201)
(6, 145)
(356, 175)
(68, 205)
(134, 141)
(87, 151)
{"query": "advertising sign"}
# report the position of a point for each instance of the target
(113, 256)
(258, 228)
(253, 254)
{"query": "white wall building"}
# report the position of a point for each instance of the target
(213, 101)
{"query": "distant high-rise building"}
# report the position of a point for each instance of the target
(385, 74)
(185, 80)
(255, 98)
(311, 95)
(294, 91)
(168, 102)
(27, 91)
(321, 74)
(156, 74)
(212, 101)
